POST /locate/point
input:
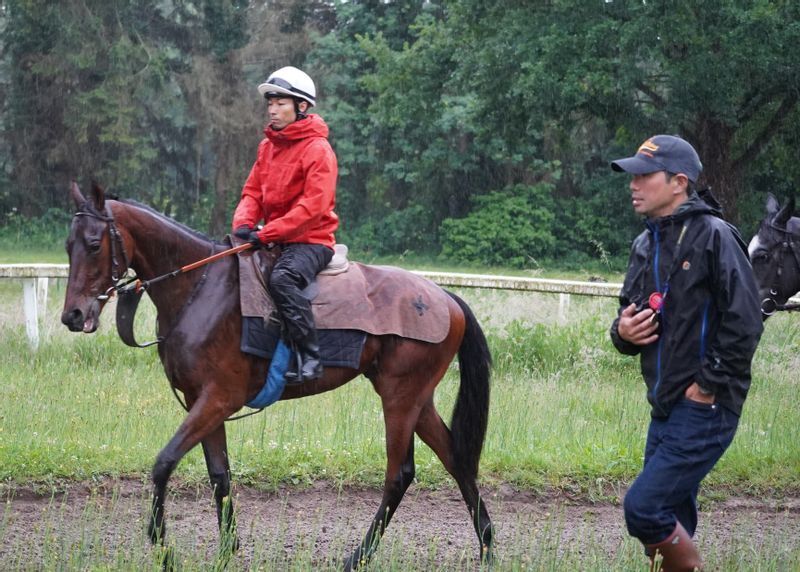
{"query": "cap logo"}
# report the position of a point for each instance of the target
(648, 148)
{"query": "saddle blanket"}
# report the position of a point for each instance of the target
(379, 300)
(338, 348)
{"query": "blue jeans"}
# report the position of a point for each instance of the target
(681, 449)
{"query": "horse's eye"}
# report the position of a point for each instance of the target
(94, 246)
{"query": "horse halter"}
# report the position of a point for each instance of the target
(117, 246)
(787, 244)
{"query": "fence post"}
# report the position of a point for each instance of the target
(41, 295)
(30, 307)
(563, 307)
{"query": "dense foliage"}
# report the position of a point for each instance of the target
(481, 129)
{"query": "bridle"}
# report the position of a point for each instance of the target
(130, 291)
(787, 244)
(117, 247)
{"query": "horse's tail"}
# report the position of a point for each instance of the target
(471, 412)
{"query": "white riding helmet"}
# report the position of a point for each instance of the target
(292, 82)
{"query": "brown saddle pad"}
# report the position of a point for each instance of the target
(378, 300)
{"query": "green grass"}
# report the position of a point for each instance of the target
(16, 254)
(567, 410)
(610, 271)
(17, 251)
(568, 413)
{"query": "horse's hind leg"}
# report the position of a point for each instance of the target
(395, 486)
(434, 433)
(215, 450)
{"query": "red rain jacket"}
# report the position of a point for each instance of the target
(292, 186)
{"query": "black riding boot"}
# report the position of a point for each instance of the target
(295, 269)
(308, 365)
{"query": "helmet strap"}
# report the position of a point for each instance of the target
(300, 114)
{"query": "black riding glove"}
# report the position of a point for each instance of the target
(251, 236)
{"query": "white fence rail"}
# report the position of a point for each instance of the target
(35, 279)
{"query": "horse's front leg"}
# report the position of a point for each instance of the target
(215, 449)
(205, 416)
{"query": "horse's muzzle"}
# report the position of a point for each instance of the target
(76, 321)
(73, 320)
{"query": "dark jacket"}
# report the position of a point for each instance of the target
(711, 319)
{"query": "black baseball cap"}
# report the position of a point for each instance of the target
(662, 153)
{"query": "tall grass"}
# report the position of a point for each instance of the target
(567, 410)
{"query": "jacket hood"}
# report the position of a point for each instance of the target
(312, 126)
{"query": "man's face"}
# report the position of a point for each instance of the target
(655, 195)
(280, 111)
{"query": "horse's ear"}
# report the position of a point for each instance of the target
(76, 195)
(99, 196)
(785, 213)
(772, 205)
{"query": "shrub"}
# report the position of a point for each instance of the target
(47, 231)
(512, 227)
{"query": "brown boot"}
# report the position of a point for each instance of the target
(678, 552)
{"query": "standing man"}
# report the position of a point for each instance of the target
(689, 307)
(292, 187)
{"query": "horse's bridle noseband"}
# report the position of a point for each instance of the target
(787, 243)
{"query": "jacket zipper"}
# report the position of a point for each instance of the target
(657, 277)
(703, 327)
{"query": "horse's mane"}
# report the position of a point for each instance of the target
(167, 220)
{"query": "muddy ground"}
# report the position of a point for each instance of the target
(325, 521)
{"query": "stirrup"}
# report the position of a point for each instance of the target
(294, 375)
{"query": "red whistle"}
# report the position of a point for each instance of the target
(656, 301)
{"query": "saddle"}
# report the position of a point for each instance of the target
(378, 300)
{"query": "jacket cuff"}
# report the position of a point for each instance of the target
(623, 346)
(704, 387)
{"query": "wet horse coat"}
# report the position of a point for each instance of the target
(199, 319)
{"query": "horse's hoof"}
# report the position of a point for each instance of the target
(487, 557)
(156, 533)
(169, 560)
(229, 543)
(350, 564)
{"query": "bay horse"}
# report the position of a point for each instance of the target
(200, 325)
(775, 255)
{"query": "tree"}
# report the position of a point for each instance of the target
(717, 72)
(89, 89)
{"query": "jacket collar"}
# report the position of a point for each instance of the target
(696, 204)
(311, 126)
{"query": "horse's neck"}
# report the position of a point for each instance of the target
(159, 246)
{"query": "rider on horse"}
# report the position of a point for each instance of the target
(292, 187)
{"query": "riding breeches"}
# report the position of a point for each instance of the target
(295, 269)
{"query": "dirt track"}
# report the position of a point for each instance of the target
(324, 520)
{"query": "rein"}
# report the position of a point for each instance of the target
(129, 292)
(768, 305)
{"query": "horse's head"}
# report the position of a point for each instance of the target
(97, 260)
(775, 255)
